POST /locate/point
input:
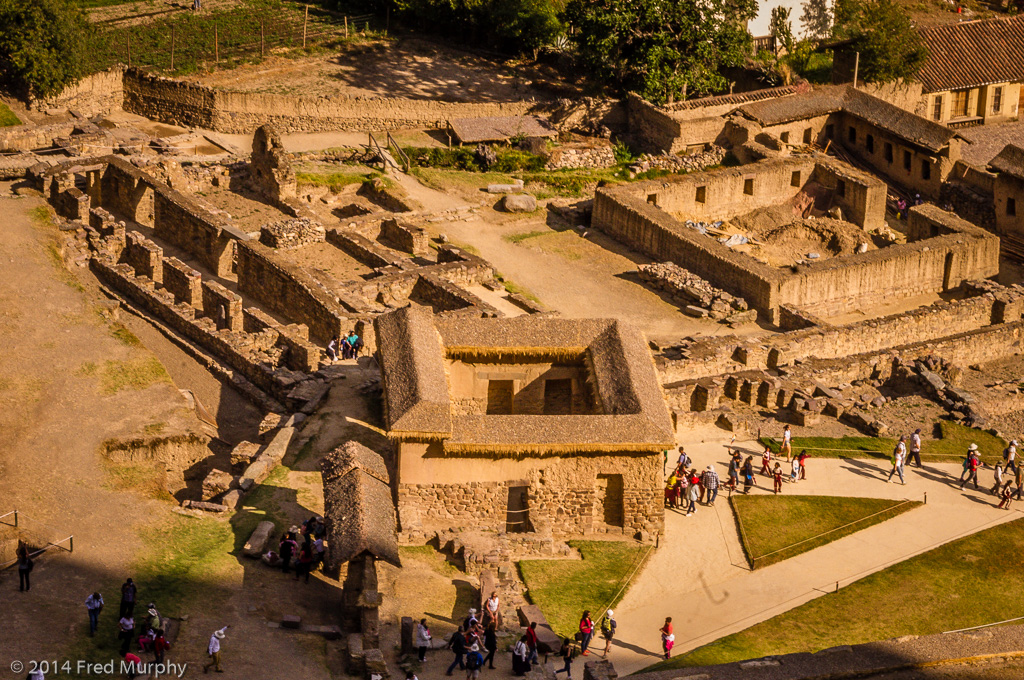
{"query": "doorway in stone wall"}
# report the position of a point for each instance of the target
(609, 501)
(558, 397)
(500, 395)
(517, 513)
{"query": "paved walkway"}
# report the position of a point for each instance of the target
(700, 578)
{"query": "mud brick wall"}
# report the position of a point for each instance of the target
(361, 248)
(405, 237)
(29, 137)
(288, 290)
(223, 306)
(101, 92)
(144, 256)
(205, 235)
(183, 282)
(194, 105)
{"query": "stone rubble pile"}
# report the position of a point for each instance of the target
(596, 157)
(699, 297)
(292, 233)
(672, 163)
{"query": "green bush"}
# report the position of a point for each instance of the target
(462, 158)
(42, 45)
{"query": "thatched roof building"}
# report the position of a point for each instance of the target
(358, 508)
(629, 415)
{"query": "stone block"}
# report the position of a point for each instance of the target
(516, 203)
(216, 483)
(257, 542)
(244, 452)
(291, 621)
(408, 632)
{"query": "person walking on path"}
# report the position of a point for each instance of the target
(457, 644)
(568, 653)
(491, 642)
(128, 594)
(668, 638)
(94, 605)
(915, 448)
(777, 477)
(1018, 479)
(586, 632)
(1010, 456)
(692, 494)
(973, 463)
(766, 462)
(802, 458)
(795, 472)
(787, 443)
(967, 462)
(997, 489)
(25, 565)
(684, 460)
(748, 474)
(1007, 497)
(608, 627)
(734, 470)
(423, 639)
(898, 454)
(213, 651)
(474, 662)
(709, 480)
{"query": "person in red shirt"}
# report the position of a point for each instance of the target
(587, 632)
(803, 464)
(532, 642)
(134, 665)
(668, 638)
(160, 645)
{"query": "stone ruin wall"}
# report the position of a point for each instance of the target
(194, 105)
(562, 495)
(957, 252)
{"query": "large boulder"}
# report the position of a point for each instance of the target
(516, 203)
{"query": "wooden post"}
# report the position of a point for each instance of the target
(172, 47)
(216, 45)
(305, 21)
(856, 68)
(346, 26)
(261, 38)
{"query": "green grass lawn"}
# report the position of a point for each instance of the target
(7, 117)
(772, 523)
(563, 589)
(951, 448)
(969, 582)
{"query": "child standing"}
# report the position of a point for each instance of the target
(795, 473)
(777, 476)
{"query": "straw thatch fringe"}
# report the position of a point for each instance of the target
(520, 451)
(514, 354)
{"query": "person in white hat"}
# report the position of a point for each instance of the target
(709, 480)
(214, 651)
(971, 466)
(608, 626)
(474, 662)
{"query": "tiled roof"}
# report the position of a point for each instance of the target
(910, 127)
(1010, 160)
(973, 53)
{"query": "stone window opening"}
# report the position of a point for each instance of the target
(888, 152)
(652, 199)
(997, 99)
(926, 169)
(500, 396)
(748, 186)
(869, 142)
(702, 194)
(784, 137)
(906, 161)
(830, 131)
(558, 397)
(937, 108)
(1011, 207)
(853, 135)
(794, 180)
(840, 188)
(807, 135)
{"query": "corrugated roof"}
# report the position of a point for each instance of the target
(973, 53)
(902, 123)
(1010, 161)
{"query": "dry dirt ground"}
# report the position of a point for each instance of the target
(405, 68)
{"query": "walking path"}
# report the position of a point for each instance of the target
(713, 592)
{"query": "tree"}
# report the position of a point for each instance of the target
(661, 49)
(782, 27)
(881, 30)
(42, 45)
(817, 19)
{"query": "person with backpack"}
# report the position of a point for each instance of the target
(967, 462)
(457, 644)
(748, 474)
(973, 463)
(898, 455)
(568, 653)
(586, 632)
(520, 652)
(608, 626)
(474, 662)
